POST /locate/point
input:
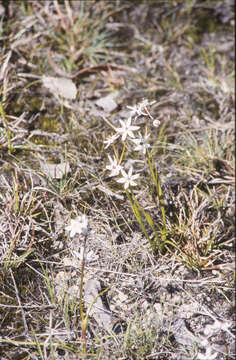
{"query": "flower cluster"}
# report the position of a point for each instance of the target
(141, 109)
(78, 226)
(127, 132)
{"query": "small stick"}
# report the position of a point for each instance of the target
(19, 302)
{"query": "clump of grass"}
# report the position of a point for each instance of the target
(123, 153)
(196, 253)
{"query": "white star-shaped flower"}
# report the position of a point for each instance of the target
(128, 179)
(138, 109)
(111, 140)
(114, 167)
(78, 226)
(141, 143)
(127, 129)
(135, 110)
(89, 256)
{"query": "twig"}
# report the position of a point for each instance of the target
(86, 71)
(19, 302)
(83, 321)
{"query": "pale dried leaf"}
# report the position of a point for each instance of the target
(60, 86)
(98, 310)
(108, 103)
(4, 67)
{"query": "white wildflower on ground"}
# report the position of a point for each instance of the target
(111, 140)
(138, 110)
(78, 226)
(114, 167)
(135, 110)
(128, 179)
(89, 256)
(141, 143)
(127, 129)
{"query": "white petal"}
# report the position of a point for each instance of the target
(121, 180)
(126, 185)
(135, 176)
(130, 172)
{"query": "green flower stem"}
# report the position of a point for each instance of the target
(83, 319)
(123, 153)
(157, 183)
(4, 120)
(137, 210)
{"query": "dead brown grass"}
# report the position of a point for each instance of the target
(170, 305)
